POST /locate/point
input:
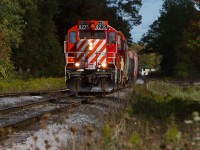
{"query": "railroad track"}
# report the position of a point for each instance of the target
(13, 118)
(31, 104)
(18, 94)
(177, 82)
(186, 83)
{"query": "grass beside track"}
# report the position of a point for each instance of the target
(39, 84)
(158, 115)
(160, 100)
(153, 116)
(168, 89)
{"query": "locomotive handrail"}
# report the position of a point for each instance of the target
(113, 57)
(65, 47)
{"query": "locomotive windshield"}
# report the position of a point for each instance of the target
(92, 35)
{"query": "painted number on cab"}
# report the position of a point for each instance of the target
(83, 27)
(101, 27)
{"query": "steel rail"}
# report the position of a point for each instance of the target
(186, 83)
(35, 118)
(15, 125)
(30, 104)
(32, 93)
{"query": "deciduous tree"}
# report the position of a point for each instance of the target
(40, 52)
(11, 29)
(166, 36)
(121, 14)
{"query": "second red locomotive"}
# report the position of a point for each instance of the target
(97, 59)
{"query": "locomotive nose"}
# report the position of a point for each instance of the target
(92, 52)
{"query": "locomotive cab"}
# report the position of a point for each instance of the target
(95, 57)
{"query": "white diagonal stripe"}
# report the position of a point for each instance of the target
(100, 56)
(98, 49)
(83, 47)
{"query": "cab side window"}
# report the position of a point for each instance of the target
(112, 39)
(119, 44)
(72, 37)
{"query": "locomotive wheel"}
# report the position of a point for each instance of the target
(106, 85)
(103, 84)
(78, 85)
(74, 85)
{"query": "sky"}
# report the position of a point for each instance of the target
(150, 12)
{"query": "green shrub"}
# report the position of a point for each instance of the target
(182, 70)
(173, 134)
(135, 140)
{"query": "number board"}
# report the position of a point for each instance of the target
(101, 26)
(83, 27)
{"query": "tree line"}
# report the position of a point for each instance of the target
(175, 35)
(32, 31)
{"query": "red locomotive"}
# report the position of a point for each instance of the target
(97, 58)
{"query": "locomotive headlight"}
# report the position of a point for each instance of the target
(77, 64)
(90, 46)
(103, 65)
